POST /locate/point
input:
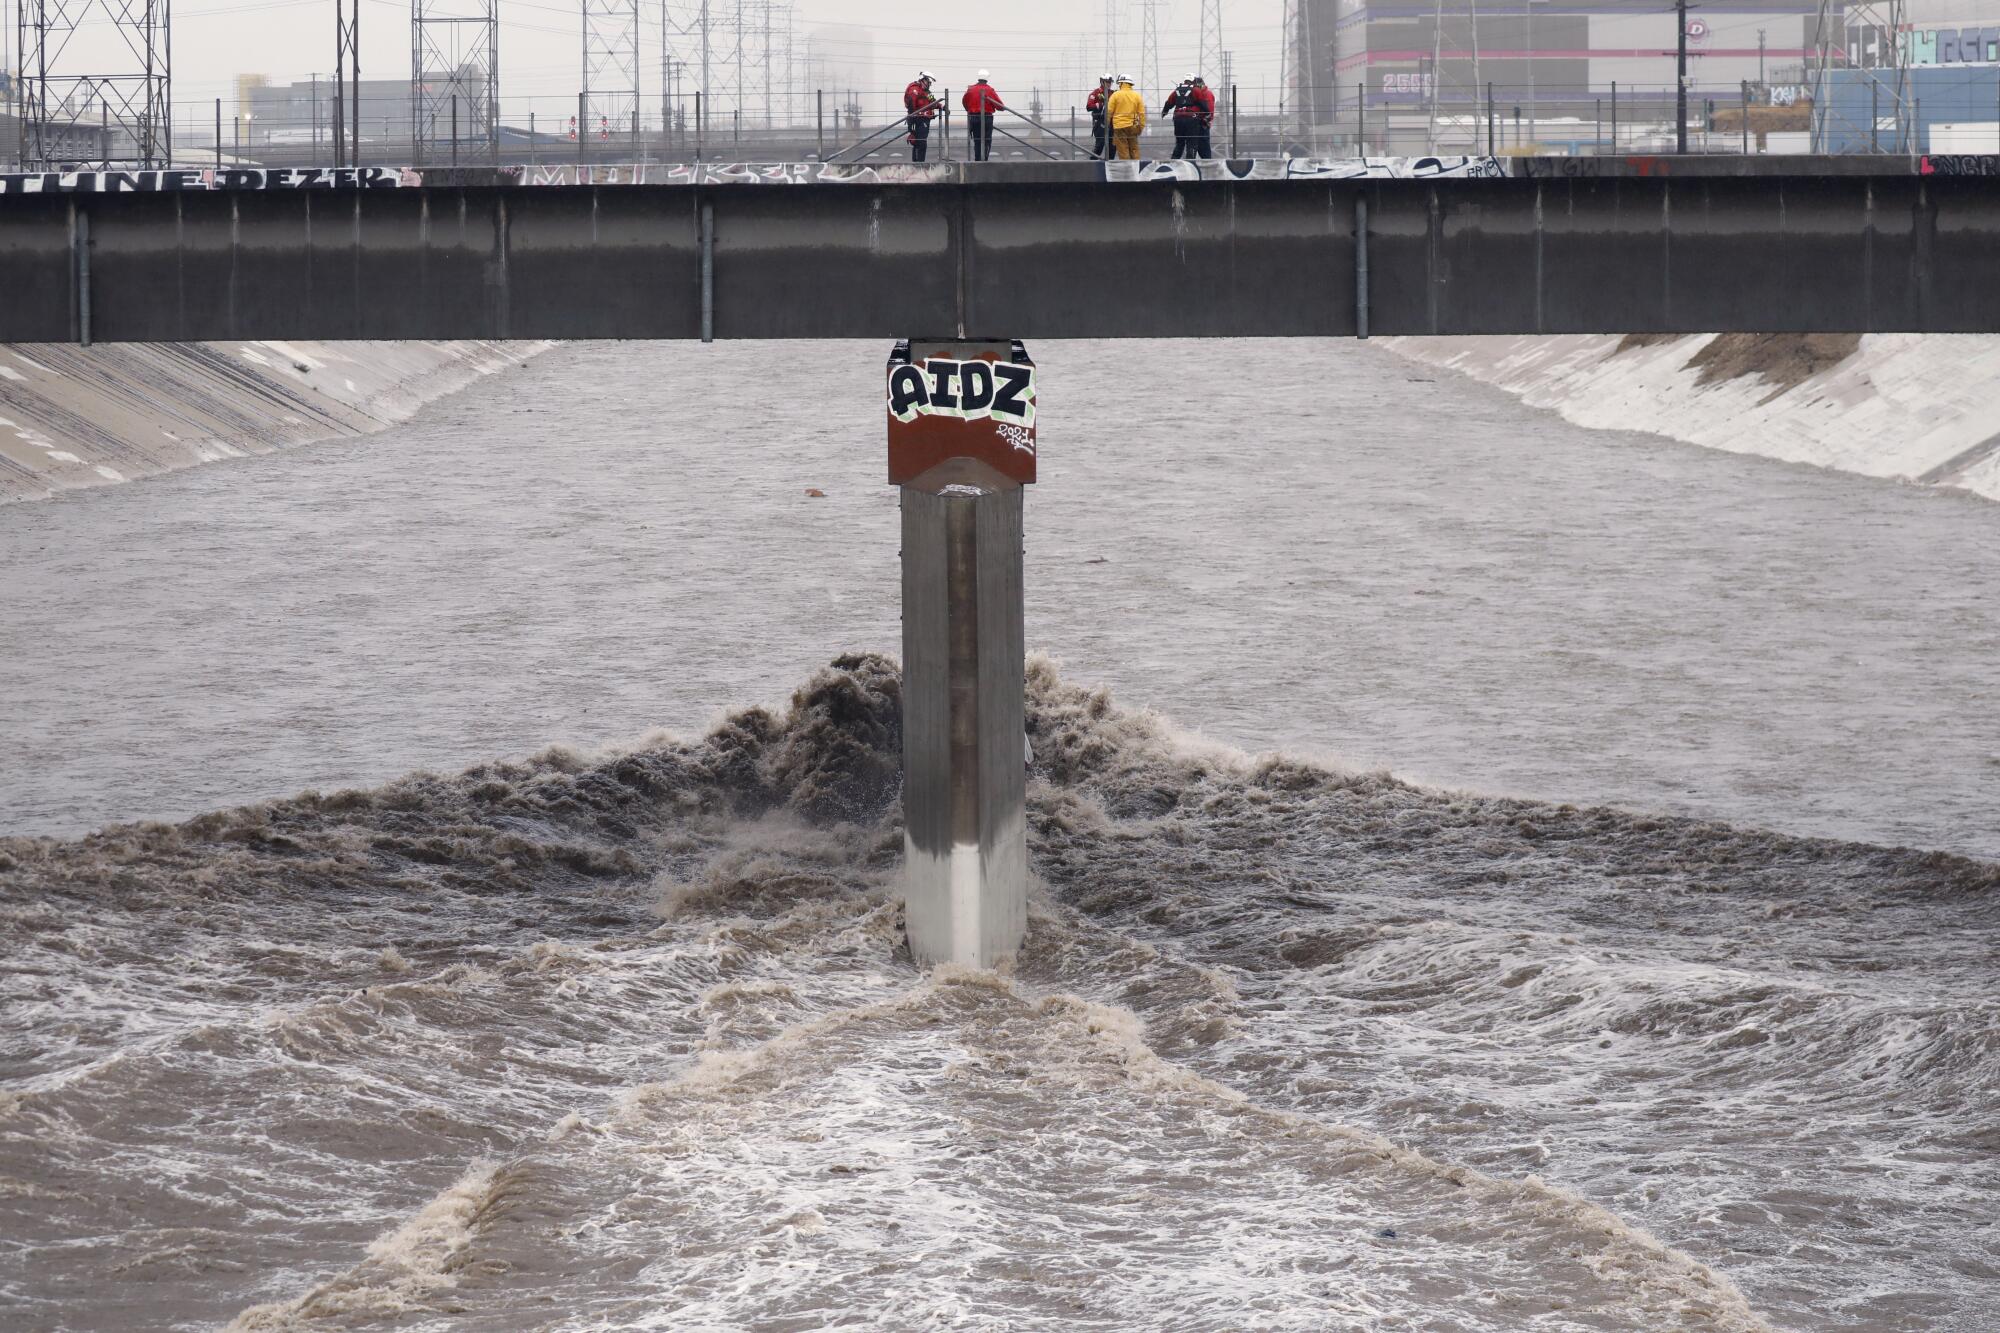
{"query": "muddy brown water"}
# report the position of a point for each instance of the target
(1618, 1006)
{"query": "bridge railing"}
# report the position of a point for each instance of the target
(1940, 109)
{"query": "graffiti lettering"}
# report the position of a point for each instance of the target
(1305, 168)
(972, 390)
(1014, 392)
(1569, 168)
(1960, 164)
(208, 178)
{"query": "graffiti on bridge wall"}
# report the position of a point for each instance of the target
(207, 178)
(1960, 164)
(1305, 168)
(732, 173)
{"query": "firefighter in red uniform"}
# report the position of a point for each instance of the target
(1185, 108)
(1203, 147)
(1100, 130)
(980, 102)
(918, 108)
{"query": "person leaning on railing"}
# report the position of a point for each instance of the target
(981, 101)
(918, 108)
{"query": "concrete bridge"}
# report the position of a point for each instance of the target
(956, 250)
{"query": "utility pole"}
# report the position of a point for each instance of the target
(1760, 57)
(1681, 79)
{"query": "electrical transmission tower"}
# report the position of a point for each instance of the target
(1149, 45)
(1111, 65)
(455, 78)
(1211, 39)
(610, 68)
(72, 113)
(1864, 36)
(1297, 76)
(1465, 54)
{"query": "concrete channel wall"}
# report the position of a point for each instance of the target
(1923, 409)
(89, 416)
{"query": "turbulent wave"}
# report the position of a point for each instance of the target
(629, 1040)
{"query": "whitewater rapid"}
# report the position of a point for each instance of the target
(634, 1040)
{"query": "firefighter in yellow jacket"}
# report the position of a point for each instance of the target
(1126, 114)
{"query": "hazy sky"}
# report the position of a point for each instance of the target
(1021, 41)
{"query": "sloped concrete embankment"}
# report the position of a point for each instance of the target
(1922, 408)
(76, 416)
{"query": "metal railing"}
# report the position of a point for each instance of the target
(1380, 119)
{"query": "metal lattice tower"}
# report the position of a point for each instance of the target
(668, 65)
(1468, 54)
(1891, 97)
(730, 94)
(71, 114)
(1296, 75)
(1211, 39)
(1149, 45)
(610, 67)
(455, 64)
(1111, 38)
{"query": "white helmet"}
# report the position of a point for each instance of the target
(925, 74)
(1106, 78)
(982, 76)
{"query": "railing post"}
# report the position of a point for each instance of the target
(820, 94)
(582, 132)
(81, 235)
(1234, 112)
(1614, 116)
(1489, 117)
(707, 271)
(1360, 265)
(218, 134)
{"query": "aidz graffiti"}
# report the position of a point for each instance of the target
(207, 178)
(969, 390)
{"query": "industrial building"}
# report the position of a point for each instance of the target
(1394, 76)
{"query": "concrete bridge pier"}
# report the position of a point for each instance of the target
(964, 779)
(962, 448)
